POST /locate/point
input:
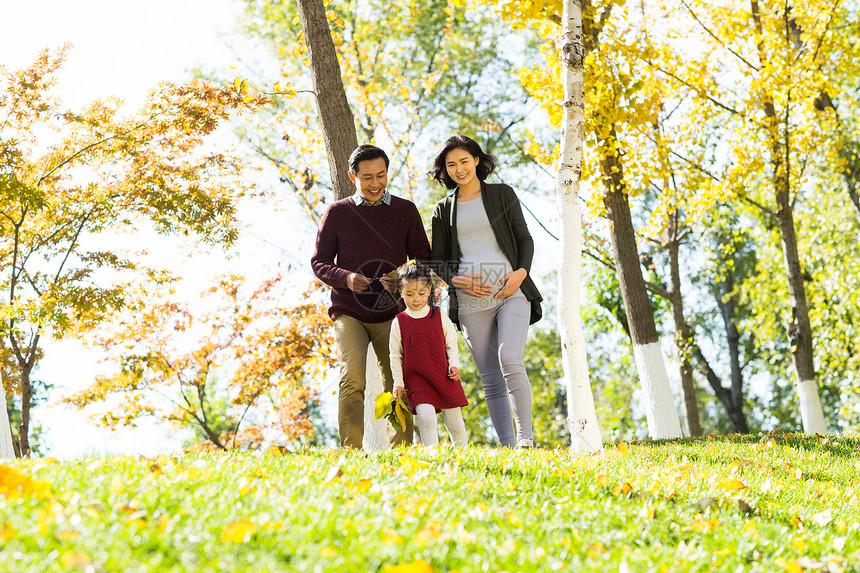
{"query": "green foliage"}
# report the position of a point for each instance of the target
(758, 503)
(415, 71)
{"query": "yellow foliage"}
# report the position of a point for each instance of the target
(239, 531)
(14, 484)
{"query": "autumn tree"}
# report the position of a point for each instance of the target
(785, 57)
(614, 112)
(72, 182)
(413, 72)
(206, 368)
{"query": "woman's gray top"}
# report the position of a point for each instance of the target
(480, 255)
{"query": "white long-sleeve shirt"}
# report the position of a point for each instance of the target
(395, 343)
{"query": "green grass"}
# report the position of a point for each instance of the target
(652, 506)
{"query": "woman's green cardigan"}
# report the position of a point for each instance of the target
(512, 235)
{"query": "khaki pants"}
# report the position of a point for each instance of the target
(352, 337)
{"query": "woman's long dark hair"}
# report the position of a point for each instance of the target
(486, 162)
(413, 271)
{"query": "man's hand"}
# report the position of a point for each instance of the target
(389, 283)
(398, 391)
(356, 282)
(454, 373)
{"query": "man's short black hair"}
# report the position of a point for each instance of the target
(365, 153)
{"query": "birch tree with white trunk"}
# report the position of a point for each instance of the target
(7, 450)
(582, 417)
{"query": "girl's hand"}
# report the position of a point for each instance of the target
(454, 373)
(471, 285)
(511, 282)
(398, 392)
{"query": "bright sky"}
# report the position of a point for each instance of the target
(125, 48)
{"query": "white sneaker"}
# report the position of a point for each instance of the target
(525, 443)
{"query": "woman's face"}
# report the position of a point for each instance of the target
(461, 165)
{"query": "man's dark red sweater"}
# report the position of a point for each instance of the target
(371, 241)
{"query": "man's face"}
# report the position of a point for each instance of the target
(371, 178)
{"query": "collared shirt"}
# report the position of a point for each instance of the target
(361, 201)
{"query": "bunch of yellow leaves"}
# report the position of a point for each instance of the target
(393, 408)
(15, 484)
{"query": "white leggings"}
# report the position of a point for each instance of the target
(425, 420)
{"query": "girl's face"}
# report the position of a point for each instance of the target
(415, 293)
(461, 165)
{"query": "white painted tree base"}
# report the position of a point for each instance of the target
(375, 431)
(7, 450)
(659, 403)
(810, 408)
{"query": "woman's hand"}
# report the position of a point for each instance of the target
(398, 392)
(471, 285)
(511, 282)
(454, 373)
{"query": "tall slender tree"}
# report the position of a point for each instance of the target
(582, 417)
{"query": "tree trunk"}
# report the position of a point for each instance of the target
(683, 335)
(335, 115)
(735, 404)
(24, 427)
(851, 187)
(650, 362)
(799, 328)
(582, 416)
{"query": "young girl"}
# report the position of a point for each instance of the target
(424, 358)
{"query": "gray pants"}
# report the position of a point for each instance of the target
(497, 340)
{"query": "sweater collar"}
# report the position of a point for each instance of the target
(418, 313)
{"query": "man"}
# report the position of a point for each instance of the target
(360, 240)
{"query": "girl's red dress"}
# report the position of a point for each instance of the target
(425, 363)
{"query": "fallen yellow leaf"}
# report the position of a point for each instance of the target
(73, 560)
(799, 544)
(328, 552)
(7, 533)
(791, 565)
(363, 485)
(15, 484)
(239, 531)
(622, 489)
(731, 483)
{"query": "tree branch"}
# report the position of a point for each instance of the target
(714, 36)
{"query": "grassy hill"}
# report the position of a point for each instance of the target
(746, 503)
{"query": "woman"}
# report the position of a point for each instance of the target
(482, 248)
